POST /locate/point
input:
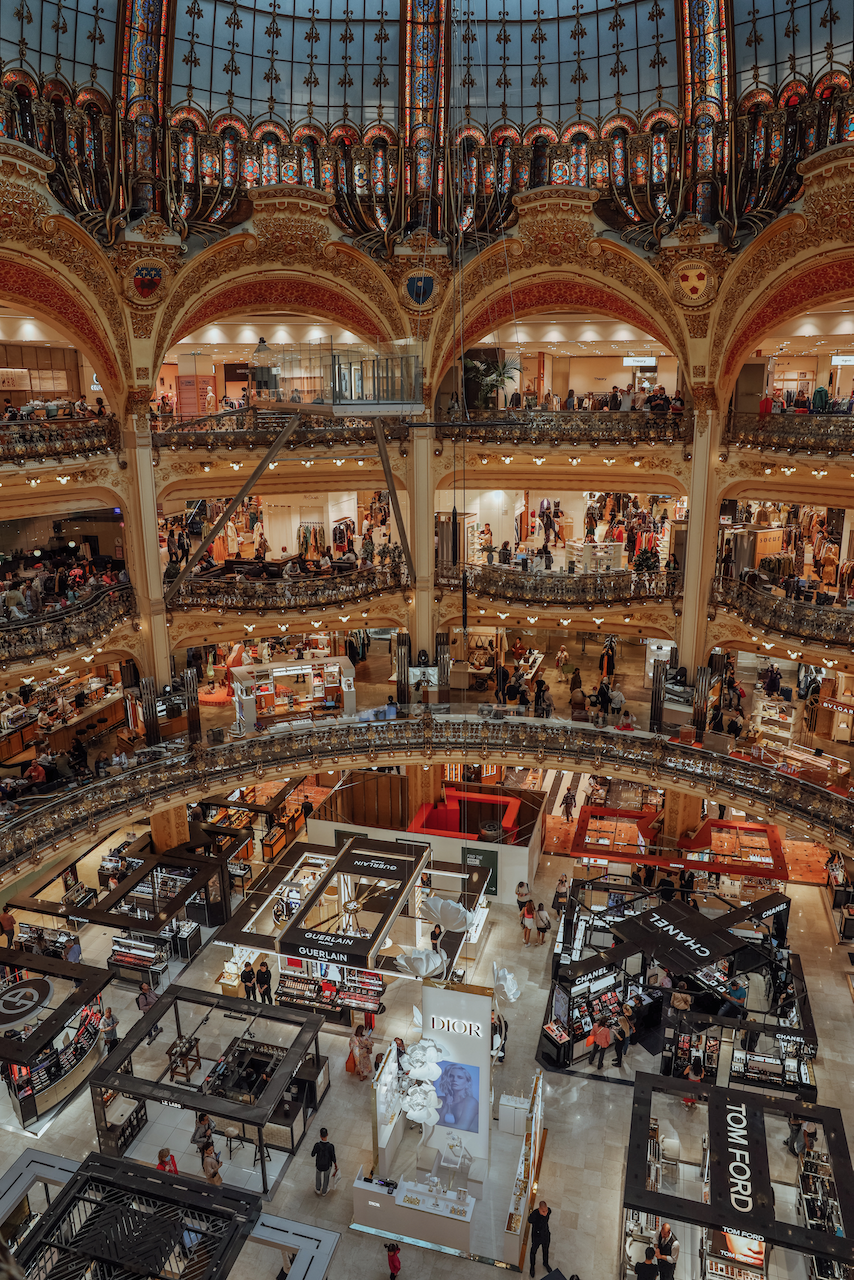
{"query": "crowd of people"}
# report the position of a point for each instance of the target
(56, 585)
(63, 408)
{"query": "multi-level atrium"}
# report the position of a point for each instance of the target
(427, 473)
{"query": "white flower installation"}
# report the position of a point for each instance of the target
(449, 916)
(421, 1059)
(422, 963)
(504, 984)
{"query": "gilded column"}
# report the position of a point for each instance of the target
(701, 546)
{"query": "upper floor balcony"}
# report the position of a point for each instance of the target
(830, 434)
(565, 590)
(253, 428)
(62, 630)
(805, 620)
(39, 440)
(572, 429)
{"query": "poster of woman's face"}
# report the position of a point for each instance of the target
(458, 1088)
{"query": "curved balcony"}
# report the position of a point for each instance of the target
(57, 439)
(251, 428)
(633, 429)
(57, 632)
(424, 737)
(807, 621)
(224, 595)
(827, 433)
(500, 582)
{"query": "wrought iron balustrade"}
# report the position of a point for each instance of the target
(573, 428)
(827, 433)
(39, 439)
(800, 618)
(421, 735)
(57, 631)
(503, 582)
(253, 428)
(258, 595)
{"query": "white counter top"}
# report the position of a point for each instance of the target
(412, 1195)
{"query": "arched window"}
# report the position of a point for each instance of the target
(269, 162)
(506, 166)
(26, 123)
(309, 162)
(705, 156)
(660, 156)
(378, 170)
(230, 143)
(540, 163)
(618, 157)
(187, 153)
(578, 169)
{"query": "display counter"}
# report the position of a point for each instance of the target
(278, 839)
(412, 1210)
(125, 1120)
(340, 994)
(229, 979)
(267, 694)
(136, 960)
(47, 942)
(59, 1070)
(62, 735)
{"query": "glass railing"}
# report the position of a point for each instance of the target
(38, 439)
(363, 378)
(545, 587)
(418, 735)
(60, 630)
(827, 433)
(833, 625)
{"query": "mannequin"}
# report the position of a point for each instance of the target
(239, 657)
(258, 533)
(232, 539)
(210, 401)
(820, 400)
(829, 561)
(264, 651)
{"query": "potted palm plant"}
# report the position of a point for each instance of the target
(490, 377)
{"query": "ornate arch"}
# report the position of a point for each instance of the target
(43, 291)
(829, 280)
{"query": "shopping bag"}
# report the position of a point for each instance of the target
(589, 1040)
(350, 1064)
(336, 1180)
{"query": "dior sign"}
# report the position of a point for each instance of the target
(458, 1025)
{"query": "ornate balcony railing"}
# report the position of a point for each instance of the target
(423, 736)
(40, 439)
(258, 596)
(251, 428)
(827, 433)
(798, 618)
(633, 429)
(59, 631)
(501, 582)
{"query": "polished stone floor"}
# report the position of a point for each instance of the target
(587, 1115)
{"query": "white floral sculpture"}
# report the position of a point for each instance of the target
(422, 963)
(450, 916)
(421, 1060)
(504, 984)
(421, 1104)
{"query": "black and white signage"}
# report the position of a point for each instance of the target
(20, 1002)
(679, 938)
(738, 1162)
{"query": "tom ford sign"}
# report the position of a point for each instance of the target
(738, 1160)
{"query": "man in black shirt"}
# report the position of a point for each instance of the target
(324, 1161)
(538, 1221)
(647, 1270)
(666, 889)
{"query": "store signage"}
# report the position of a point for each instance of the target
(164, 1102)
(640, 362)
(842, 359)
(458, 1025)
(740, 1182)
(354, 863)
(20, 1002)
(675, 932)
(772, 911)
(672, 934)
(833, 704)
(327, 948)
(485, 859)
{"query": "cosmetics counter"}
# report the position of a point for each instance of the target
(229, 978)
(59, 1069)
(47, 942)
(136, 960)
(791, 1228)
(265, 695)
(591, 990)
(149, 896)
(726, 1060)
(342, 995)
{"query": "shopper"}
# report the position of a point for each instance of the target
(166, 1161)
(805, 1140)
(561, 894)
(667, 1252)
(568, 803)
(548, 703)
(7, 924)
(264, 978)
(523, 895)
(562, 668)
(649, 875)
(620, 1031)
(694, 1071)
(666, 889)
(618, 699)
(325, 1161)
(203, 1132)
(686, 884)
(680, 1000)
(502, 679)
(543, 922)
(601, 1040)
(541, 1236)
(247, 977)
(794, 1133)
(145, 1001)
(393, 1251)
(734, 1005)
(361, 1047)
(648, 1269)
(435, 935)
(211, 1166)
(528, 921)
(108, 1025)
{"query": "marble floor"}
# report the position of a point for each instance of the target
(587, 1114)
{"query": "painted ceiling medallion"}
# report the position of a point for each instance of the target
(694, 284)
(420, 291)
(146, 281)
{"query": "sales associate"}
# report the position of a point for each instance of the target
(666, 1252)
